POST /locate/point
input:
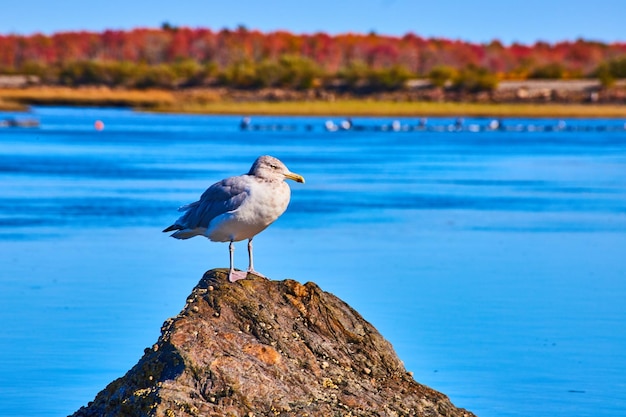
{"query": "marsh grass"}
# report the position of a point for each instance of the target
(212, 102)
(91, 96)
(11, 106)
(397, 109)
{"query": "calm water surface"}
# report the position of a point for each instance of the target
(494, 262)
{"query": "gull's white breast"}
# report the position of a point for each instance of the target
(265, 202)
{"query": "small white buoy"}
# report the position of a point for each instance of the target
(331, 126)
(494, 125)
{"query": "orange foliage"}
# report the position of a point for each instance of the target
(332, 53)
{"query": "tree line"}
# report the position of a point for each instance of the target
(172, 57)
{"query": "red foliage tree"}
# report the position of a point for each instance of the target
(332, 54)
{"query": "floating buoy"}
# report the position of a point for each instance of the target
(98, 125)
(330, 126)
(346, 124)
(494, 125)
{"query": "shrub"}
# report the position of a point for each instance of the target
(388, 79)
(359, 76)
(354, 75)
(441, 75)
(46, 73)
(604, 75)
(122, 73)
(474, 79)
(80, 73)
(617, 67)
(553, 71)
(161, 75)
(613, 68)
(241, 74)
(269, 73)
(298, 72)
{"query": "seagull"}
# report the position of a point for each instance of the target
(238, 208)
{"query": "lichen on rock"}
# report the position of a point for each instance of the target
(258, 347)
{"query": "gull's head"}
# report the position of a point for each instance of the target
(270, 168)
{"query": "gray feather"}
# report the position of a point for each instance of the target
(222, 197)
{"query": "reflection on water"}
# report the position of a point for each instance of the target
(492, 261)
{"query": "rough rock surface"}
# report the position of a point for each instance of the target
(268, 348)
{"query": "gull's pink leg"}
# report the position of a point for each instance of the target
(251, 260)
(250, 256)
(232, 274)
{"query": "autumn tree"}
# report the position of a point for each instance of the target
(173, 57)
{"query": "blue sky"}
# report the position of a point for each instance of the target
(478, 20)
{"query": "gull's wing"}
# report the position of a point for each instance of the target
(222, 197)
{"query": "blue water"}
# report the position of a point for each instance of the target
(494, 262)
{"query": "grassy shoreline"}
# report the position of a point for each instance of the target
(211, 103)
(367, 108)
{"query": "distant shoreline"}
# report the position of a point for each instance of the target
(210, 101)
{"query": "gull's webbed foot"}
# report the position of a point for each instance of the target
(236, 275)
(255, 273)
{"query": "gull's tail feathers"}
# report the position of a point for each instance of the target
(172, 227)
(182, 233)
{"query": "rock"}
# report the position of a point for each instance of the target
(268, 348)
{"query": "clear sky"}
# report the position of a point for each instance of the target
(474, 20)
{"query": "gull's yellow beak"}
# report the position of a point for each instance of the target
(295, 177)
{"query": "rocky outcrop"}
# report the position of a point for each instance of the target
(268, 348)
